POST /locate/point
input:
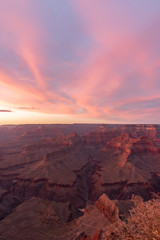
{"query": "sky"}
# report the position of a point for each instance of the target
(79, 61)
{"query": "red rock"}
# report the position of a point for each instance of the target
(54, 162)
(107, 207)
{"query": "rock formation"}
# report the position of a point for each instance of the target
(107, 207)
(76, 167)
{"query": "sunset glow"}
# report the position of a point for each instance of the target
(66, 61)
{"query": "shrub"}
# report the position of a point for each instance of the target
(142, 224)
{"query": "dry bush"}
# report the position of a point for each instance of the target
(142, 224)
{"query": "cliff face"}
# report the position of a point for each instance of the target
(73, 170)
(42, 219)
(107, 207)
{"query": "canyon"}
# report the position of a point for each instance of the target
(62, 181)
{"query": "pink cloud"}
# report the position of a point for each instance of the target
(27, 41)
(120, 65)
(108, 77)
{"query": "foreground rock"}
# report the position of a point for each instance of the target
(107, 207)
(43, 219)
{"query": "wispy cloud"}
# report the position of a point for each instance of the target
(91, 60)
(27, 108)
(5, 110)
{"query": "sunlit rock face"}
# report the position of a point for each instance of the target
(107, 207)
(74, 166)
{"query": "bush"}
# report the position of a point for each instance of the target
(142, 224)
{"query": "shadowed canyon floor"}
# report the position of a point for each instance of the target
(53, 177)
